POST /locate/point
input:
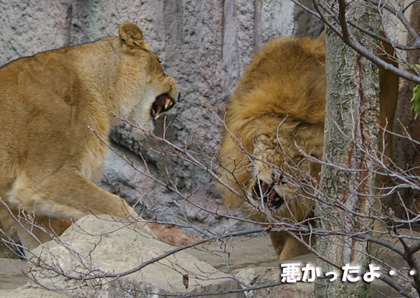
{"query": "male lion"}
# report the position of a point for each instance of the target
(56, 110)
(274, 136)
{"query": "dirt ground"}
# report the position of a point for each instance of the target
(12, 274)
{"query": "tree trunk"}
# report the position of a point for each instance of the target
(347, 195)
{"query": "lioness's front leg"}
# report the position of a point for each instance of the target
(63, 195)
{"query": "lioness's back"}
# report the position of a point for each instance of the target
(32, 105)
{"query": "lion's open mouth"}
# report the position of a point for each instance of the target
(268, 194)
(163, 103)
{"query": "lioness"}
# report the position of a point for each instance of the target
(275, 133)
(56, 110)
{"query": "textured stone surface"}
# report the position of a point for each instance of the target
(250, 260)
(240, 253)
(93, 247)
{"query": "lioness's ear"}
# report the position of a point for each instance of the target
(131, 35)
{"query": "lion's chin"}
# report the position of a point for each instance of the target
(267, 193)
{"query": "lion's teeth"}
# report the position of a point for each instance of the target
(158, 110)
(168, 103)
(156, 113)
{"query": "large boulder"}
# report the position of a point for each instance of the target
(103, 257)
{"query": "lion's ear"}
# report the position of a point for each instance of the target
(131, 35)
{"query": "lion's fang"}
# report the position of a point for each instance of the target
(168, 103)
(158, 110)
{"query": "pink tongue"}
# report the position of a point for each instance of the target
(272, 195)
(268, 192)
(265, 189)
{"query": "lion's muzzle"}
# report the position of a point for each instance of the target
(268, 194)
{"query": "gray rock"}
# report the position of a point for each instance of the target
(233, 265)
(95, 247)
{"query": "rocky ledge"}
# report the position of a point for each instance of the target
(102, 257)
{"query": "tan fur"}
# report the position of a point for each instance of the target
(55, 108)
(276, 114)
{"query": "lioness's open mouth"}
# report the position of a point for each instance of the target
(162, 104)
(268, 194)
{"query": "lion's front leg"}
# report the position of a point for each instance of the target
(33, 231)
(286, 246)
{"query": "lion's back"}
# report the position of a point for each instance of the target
(287, 77)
